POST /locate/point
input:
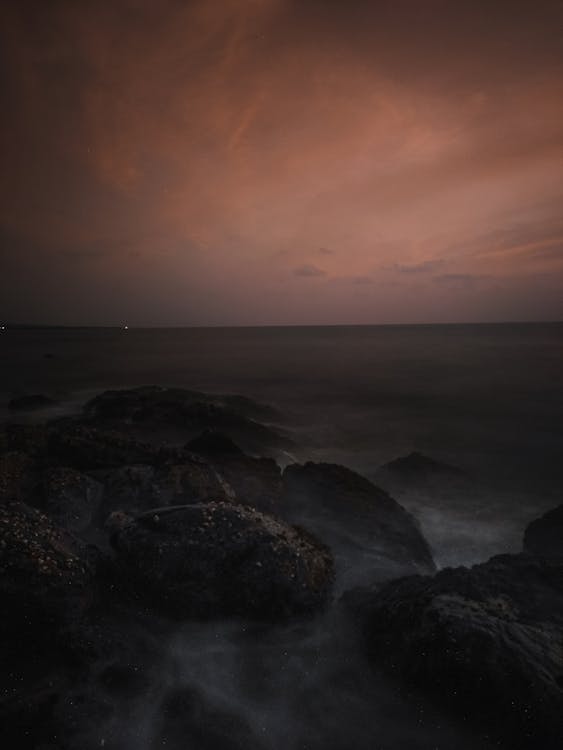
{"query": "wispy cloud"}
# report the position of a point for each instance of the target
(426, 266)
(308, 270)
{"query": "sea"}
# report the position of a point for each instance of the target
(485, 398)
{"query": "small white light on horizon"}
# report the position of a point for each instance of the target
(125, 328)
(2, 328)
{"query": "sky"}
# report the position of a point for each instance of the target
(281, 162)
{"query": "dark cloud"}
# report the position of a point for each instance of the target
(216, 139)
(308, 270)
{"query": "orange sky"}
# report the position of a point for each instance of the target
(209, 162)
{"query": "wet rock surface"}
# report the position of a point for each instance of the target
(416, 467)
(220, 560)
(71, 499)
(182, 414)
(485, 642)
(101, 644)
(369, 532)
(256, 482)
(46, 574)
(544, 536)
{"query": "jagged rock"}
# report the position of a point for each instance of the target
(544, 536)
(174, 412)
(31, 402)
(71, 499)
(87, 448)
(484, 642)
(185, 479)
(46, 574)
(369, 533)
(19, 476)
(218, 560)
(256, 481)
(148, 402)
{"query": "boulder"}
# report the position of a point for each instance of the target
(484, 643)
(46, 574)
(19, 476)
(178, 414)
(87, 448)
(180, 480)
(544, 536)
(218, 559)
(151, 402)
(255, 481)
(416, 467)
(370, 534)
(71, 499)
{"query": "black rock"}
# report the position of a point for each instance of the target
(370, 534)
(19, 476)
(71, 499)
(416, 467)
(154, 412)
(46, 574)
(87, 448)
(544, 536)
(485, 643)
(255, 482)
(179, 480)
(219, 560)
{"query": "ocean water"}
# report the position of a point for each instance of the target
(485, 398)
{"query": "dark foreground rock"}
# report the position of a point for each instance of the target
(485, 642)
(370, 534)
(544, 536)
(46, 574)
(220, 560)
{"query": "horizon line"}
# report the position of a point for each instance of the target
(126, 326)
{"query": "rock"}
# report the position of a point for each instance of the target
(185, 479)
(28, 439)
(417, 467)
(66, 442)
(19, 476)
(256, 481)
(175, 413)
(485, 643)
(71, 499)
(31, 402)
(153, 401)
(544, 536)
(186, 719)
(370, 534)
(46, 574)
(87, 448)
(219, 560)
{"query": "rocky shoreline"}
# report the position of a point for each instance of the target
(155, 508)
